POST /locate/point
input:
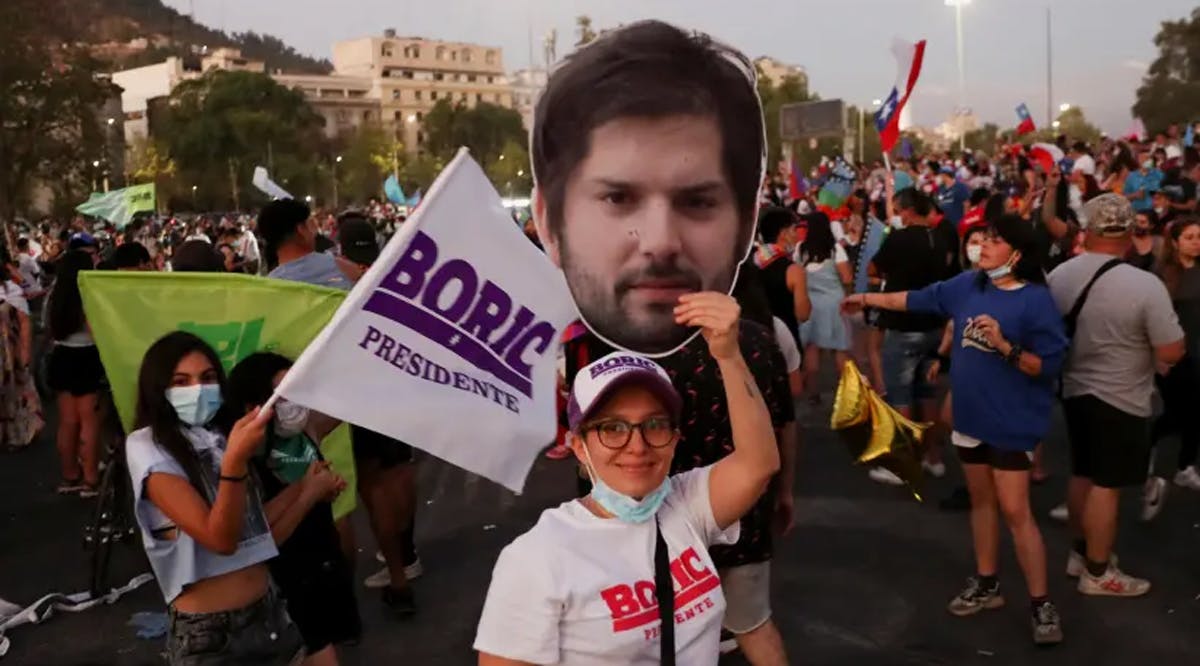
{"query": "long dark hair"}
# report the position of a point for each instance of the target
(154, 411)
(1170, 268)
(251, 383)
(818, 242)
(65, 305)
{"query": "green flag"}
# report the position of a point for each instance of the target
(118, 206)
(236, 314)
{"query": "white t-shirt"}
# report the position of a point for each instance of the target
(578, 590)
(787, 345)
(248, 246)
(31, 274)
(14, 295)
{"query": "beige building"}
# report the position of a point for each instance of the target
(776, 71)
(397, 80)
(230, 59)
(527, 85)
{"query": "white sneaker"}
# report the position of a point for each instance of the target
(1060, 513)
(1154, 495)
(1114, 583)
(884, 476)
(383, 577)
(1077, 564)
(1188, 478)
(936, 470)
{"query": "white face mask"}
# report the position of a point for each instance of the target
(290, 418)
(896, 222)
(973, 253)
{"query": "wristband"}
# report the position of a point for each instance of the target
(234, 479)
(1014, 355)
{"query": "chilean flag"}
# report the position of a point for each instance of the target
(887, 120)
(1047, 155)
(1026, 125)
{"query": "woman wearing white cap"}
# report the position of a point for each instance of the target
(583, 585)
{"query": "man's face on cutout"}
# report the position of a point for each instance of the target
(649, 215)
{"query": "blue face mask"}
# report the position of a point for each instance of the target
(623, 507)
(196, 405)
(1001, 271)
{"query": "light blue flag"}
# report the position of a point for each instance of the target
(1190, 136)
(393, 191)
(415, 199)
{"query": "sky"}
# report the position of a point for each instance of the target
(1100, 48)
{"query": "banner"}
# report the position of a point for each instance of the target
(393, 191)
(449, 341)
(236, 314)
(118, 206)
(262, 180)
(887, 120)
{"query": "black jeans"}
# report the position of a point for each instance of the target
(260, 633)
(1179, 390)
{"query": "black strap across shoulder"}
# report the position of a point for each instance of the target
(664, 591)
(1072, 317)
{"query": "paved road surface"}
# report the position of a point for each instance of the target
(863, 580)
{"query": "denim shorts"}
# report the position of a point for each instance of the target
(260, 633)
(906, 356)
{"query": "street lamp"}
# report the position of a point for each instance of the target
(962, 67)
(520, 172)
(412, 117)
(193, 197)
(336, 162)
(96, 163)
(1064, 107)
(1056, 124)
(111, 121)
(308, 198)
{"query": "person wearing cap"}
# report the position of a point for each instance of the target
(580, 586)
(82, 240)
(952, 195)
(1126, 329)
(1007, 349)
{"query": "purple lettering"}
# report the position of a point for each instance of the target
(511, 402)
(455, 269)
(415, 363)
(408, 275)
(400, 356)
(542, 333)
(373, 335)
(462, 382)
(482, 388)
(523, 318)
(385, 347)
(490, 311)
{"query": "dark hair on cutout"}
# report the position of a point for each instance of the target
(648, 69)
(910, 199)
(65, 304)
(818, 241)
(772, 220)
(154, 411)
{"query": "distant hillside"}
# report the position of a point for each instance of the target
(131, 33)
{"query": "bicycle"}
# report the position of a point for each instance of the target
(112, 518)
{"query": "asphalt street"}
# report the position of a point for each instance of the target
(864, 579)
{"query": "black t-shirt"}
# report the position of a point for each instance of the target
(779, 297)
(909, 259)
(315, 540)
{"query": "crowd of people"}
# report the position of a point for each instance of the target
(977, 291)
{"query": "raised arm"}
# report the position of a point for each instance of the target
(217, 527)
(740, 478)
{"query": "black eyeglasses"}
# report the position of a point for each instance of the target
(657, 432)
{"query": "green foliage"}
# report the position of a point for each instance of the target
(220, 126)
(983, 139)
(489, 131)
(790, 90)
(50, 96)
(1170, 90)
(584, 31)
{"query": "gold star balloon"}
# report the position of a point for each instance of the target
(875, 433)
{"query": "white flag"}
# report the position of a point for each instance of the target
(449, 341)
(263, 182)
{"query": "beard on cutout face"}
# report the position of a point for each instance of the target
(612, 308)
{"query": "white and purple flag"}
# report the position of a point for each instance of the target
(449, 341)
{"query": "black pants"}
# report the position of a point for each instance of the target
(260, 634)
(1180, 390)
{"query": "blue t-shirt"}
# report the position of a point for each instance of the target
(316, 268)
(953, 201)
(1149, 182)
(994, 401)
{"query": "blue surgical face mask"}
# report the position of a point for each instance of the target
(623, 507)
(196, 405)
(1001, 271)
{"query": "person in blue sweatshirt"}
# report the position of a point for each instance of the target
(1008, 347)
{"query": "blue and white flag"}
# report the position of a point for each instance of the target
(393, 191)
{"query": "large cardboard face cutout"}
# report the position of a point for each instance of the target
(649, 214)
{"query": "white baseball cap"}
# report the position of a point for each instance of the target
(596, 382)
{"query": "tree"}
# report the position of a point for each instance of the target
(1170, 90)
(1075, 125)
(583, 27)
(983, 139)
(50, 96)
(510, 171)
(489, 131)
(149, 163)
(790, 90)
(220, 126)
